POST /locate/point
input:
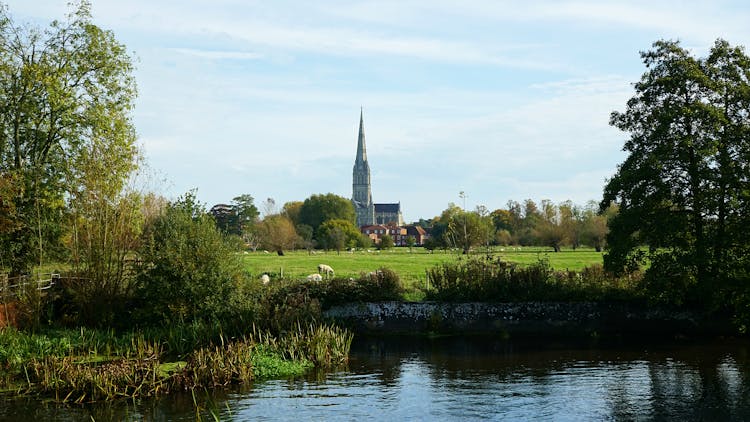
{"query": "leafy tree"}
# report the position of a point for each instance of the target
(64, 93)
(386, 242)
(594, 227)
(548, 228)
(411, 242)
(277, 233)
(305, 234)
(292, 211)
(318, 209)
(105, 222)
(466, 229)
(571, 221)
(189, 270)
(683, 189)
(502, 219)
(338, 234)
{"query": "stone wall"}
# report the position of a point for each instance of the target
(523, 319)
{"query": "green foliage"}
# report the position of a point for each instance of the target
(483, 280)
(386, 242)
(277, 233)
(318, 209)
(106, 227)
(290, 302)
(338, 234)
(188, 269)
(67, 93)
(683, 188)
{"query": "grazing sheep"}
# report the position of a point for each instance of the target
(314, 277)
(325, 269)
(265, 278)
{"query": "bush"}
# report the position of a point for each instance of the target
(188, 269)
(483, 280)
(289, 302)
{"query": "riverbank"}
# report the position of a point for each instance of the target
(526, 319)
(91, 365)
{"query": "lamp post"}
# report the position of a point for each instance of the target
(462, 195)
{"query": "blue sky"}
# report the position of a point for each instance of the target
(499, 99)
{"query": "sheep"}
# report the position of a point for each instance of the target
(265, 278)
(325, 269)
(315, 277)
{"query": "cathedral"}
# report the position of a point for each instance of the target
(369, 213)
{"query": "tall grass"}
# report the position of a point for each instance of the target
(134, 365)
(480, 279)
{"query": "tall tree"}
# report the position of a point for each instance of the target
(247, 213)
(338, 234)
(318, 209)
(65, 92)
(683, 188)
(277, 233)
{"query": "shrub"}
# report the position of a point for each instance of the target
(483, 280)
(289, 302)
(188, 269)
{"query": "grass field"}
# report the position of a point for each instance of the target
(410, 266)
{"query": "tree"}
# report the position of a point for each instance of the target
(683, 188)
(247, 213)
(386, 242)
(292, 211)
(277, 233)
(318, 209)
(64, 93)
(189, 271)
(338, 234)
(105, 223)
(411, 242)
(465, 229)
(549, 229)
(594, 227)
(305, 240)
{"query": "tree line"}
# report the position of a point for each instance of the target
(525, 224)
(327, 221)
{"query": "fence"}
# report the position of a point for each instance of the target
(13, 285)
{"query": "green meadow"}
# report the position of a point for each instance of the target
(411, 265)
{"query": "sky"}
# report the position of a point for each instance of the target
(501, 100)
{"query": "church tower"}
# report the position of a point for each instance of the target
(361, 189)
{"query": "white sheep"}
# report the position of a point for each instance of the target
(325, 269)
(265, 278)
(315, 277)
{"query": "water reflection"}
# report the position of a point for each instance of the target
(477, 379)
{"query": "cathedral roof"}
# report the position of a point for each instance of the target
(391, 208)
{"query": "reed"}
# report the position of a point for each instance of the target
(323, 345)
(218, 365)
(71, 381)
(485, 280)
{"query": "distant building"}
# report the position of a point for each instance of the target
(376, 232)
(418, 233)
(369, 213)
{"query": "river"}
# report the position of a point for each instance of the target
(472, 379)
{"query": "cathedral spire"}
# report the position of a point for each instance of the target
(361, 191)
(361, 148)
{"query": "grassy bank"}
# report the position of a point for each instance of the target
(91, 365)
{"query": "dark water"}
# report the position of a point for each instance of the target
(473, 379)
